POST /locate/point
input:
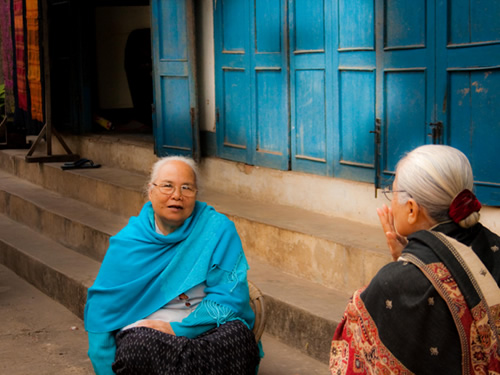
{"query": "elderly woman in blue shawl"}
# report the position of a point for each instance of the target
(171, 296)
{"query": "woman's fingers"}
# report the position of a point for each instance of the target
(395, 242)
(385, 217)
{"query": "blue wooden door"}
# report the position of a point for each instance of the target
(406, 77)
(354, 104)
(175, 119)
(252, 81)
(384, 84)
(311, 86)
(468, 87)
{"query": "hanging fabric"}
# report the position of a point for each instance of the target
(22, 96)
(34, 71)
(7, 54)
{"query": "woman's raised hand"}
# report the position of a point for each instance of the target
(395, 242)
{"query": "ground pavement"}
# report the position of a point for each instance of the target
(40, 336)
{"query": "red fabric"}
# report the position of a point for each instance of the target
(34, 64)
(7, 54)
(357, 347)
(463, 205)
(22, 95)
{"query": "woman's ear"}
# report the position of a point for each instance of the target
(413, 210)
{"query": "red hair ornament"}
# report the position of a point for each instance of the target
(463, 205)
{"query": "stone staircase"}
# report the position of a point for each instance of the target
(55, 227)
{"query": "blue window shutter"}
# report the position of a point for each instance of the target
(176, 110)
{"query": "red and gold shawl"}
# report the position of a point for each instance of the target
(425, 316)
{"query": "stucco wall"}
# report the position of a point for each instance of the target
(205, 64)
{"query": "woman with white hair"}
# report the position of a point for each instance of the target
(436, 308)
(172, 295)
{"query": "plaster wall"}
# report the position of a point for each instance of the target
(330, 196)
(206, 64)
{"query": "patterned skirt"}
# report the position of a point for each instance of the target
(229, 349)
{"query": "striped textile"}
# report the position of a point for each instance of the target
(34, 63)
(22, 97)
(7, 54)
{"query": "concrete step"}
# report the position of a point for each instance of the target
(59, 272)
(356, 201)
(334, 252)
(72, 223)
(40, 336)
(65, 275)
(86, 229)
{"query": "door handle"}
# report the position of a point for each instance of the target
(436, 131)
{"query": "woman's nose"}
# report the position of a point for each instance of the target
(177, 193)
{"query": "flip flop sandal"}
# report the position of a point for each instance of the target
(80, 164)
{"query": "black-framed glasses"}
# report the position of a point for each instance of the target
(187, 191)
(389, 193)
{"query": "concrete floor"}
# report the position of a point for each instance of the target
(40, 336)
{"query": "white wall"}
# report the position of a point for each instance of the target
(113, 25)
(205, 64)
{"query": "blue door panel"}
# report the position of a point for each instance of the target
(475, 125)
(236, 99)
(235, 19)
(341, 65)
(172, 34)
(175, 94)
(484, 23)
(355, 89)
(268, 26)
(309, 25)
(355, 59)
(270, 114)
(310, 115)
(251, 77)
(357, 116)
(407, 83)
(270, 83)
(232, 79)
(175, 119)
(357, 24)
(405, 114)
(474, 21)
(468, 87)
(405, 24)
(311, 86)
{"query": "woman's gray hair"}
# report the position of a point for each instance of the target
(155, 170)
(433, 175)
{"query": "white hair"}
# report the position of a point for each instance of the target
(433, 175)
(155, 170)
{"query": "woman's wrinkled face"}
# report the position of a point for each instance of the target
(173, 209)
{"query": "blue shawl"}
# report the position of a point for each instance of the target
(143, 270)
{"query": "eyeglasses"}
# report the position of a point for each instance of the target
(168, 189)
(389, 193)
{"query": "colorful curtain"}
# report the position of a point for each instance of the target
(22, 97)
(7, 54)
(34, 63)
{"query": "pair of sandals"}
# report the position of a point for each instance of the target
(80, 164)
